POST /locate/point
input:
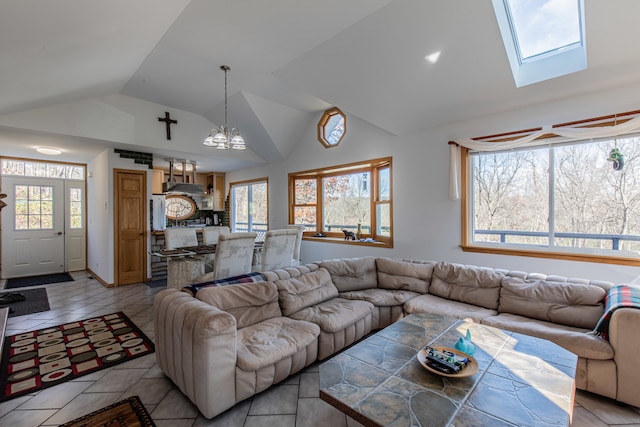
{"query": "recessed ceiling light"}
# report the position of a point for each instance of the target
(433, 58)
(51, 151)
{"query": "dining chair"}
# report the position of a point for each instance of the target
(180, 237)
(180, 271)
(210, 237)
(277, 251)
(234, 255)
(296, 248)
(210, 234)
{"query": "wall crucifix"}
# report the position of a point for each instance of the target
(168, 121)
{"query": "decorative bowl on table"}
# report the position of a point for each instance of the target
(470, 366)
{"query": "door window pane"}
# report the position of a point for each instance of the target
(34, 207)
(75, 208)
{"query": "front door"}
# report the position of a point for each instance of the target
(33, 226)
(130, 226)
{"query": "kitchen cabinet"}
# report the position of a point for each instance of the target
(157, 178)
(215, 187)
(201, 178)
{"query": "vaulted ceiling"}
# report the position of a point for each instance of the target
(290, 60)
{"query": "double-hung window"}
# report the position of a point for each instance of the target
(354, 198)
(569, 200)
(250, 207)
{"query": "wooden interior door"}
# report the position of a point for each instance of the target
(130, 213)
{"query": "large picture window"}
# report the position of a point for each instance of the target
(346, 197)
(565, 199)
(250, 207)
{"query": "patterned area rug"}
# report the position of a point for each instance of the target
(129, 412)
(39, 359)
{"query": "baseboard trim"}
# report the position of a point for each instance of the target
(99, 279)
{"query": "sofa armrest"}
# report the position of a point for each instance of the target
(624, 338)
(196, 348)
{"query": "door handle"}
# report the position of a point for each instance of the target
(59, 233)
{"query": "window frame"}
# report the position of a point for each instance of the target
(232, 204)
(544, 66)
(466, 205)
(323, 127)
(373, 168)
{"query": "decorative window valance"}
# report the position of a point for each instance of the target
(601, 127)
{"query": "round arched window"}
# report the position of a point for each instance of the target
(180, 207)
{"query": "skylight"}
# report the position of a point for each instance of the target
(544, 39)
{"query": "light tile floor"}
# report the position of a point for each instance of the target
(293, 403)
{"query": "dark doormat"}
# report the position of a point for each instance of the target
(158, 283)
(22, 282)
(35, 301)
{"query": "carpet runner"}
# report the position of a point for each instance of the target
(47, 357)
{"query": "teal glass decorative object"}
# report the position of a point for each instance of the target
(465, 345)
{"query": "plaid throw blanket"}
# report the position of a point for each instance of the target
(618, 296)
(245, 278)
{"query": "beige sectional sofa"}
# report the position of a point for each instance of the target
(230, 342)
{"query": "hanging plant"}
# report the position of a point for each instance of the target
(615, 155)
(617, 158)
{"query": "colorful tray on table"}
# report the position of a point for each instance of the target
(467, 371)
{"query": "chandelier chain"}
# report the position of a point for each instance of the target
(223, 137)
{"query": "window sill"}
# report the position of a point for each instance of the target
(603, 259)
(341, 241)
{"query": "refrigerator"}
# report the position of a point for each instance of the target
(158, 213)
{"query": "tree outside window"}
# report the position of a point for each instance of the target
(249, 207)
(564, 197)
(327, 201)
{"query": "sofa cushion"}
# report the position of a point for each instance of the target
(380, 297)
(396, 274)
(576, 340)
(336, 314)
(573, 304)
(465, 283)
(433, 304)
(267, 342)
(249, 303)
(303, 291)
(352, 274)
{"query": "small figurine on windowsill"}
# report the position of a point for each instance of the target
(348, 235)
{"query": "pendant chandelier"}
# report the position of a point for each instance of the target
(222, 137)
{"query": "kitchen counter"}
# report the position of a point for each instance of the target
(198, 228)
(159, 264)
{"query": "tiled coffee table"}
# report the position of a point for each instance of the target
(521, 381)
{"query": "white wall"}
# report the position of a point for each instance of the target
(426, 223)
(100, 218)
(100, 229)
